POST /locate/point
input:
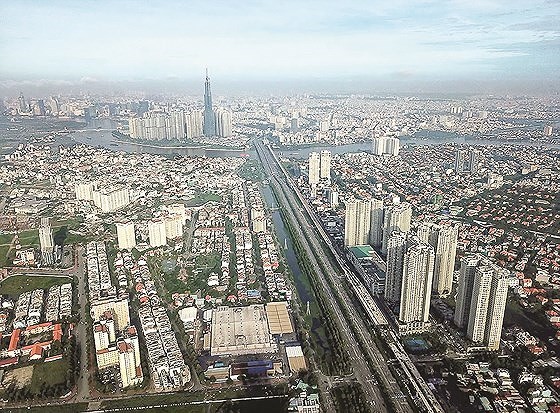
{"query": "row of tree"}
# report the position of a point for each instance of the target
(335, 362)
(349, 397)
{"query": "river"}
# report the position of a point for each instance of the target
(432, 138)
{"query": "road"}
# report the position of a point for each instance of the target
(346, 304)
(82, 393)
(423, 396)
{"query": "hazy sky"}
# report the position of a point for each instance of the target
(116, 40)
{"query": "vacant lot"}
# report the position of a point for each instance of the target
(18, 284)
(21, 377)
(51, 373)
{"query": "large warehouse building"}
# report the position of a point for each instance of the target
(241, 330)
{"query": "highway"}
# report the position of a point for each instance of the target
(82, 393)
(424, 398)
(340, 306)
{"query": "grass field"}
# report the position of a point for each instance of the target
(202, 198)
(29, 237)
(6, 238)
(51, 373)
(4, 255)
(18, 284)
(269, 406)
(58, 408)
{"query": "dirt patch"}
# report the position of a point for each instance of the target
(21, 377)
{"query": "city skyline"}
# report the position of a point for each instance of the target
(362, 217)
(400, 46)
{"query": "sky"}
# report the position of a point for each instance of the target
(346, 40)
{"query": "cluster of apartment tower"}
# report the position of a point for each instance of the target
(178, 125)
(108, 199)
(319, 167)
(420, 262)
(160, 229)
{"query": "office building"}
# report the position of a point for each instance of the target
(416, 287)
(156, 233)
(46, 241)
(396, 218)
(395, 261)
(209, 120)
(314, 168)
(325, 168)
(443, 238)
(376, 225)
(357, 221)
(126, 236)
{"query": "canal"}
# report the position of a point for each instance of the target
(302, 285)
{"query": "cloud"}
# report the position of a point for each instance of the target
(125, 40)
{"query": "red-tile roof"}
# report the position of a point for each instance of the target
(14, 340)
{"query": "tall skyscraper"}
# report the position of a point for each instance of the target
(314, 168)
(481, 299)
(466, 161)
(496, 308)
(22, 104)
(479, 303)
(326, 166)
(416, 287)
(443, 238)
(397, 217)
(395, 261)
(356, 222)
(223, 122)
(194, 124)
(157, 233)
(129, 359)
(376, 226)
(46, 241)
(177, 123)
(209, 119)
(333, 198)
(464, 289)
(125, 235)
